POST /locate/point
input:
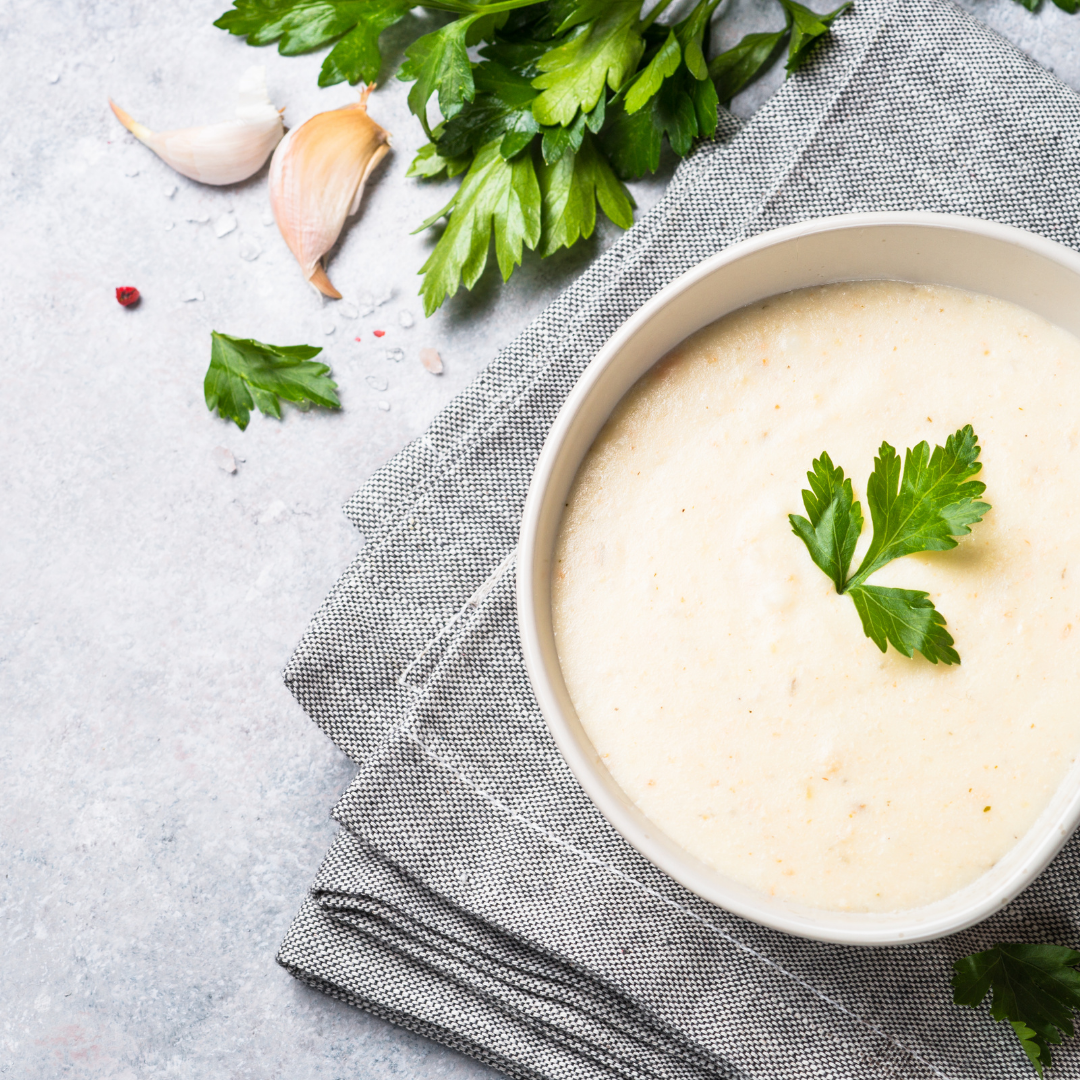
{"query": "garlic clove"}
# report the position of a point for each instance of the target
(222, 153)
(317, 179)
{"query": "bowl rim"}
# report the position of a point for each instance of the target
(652, 843)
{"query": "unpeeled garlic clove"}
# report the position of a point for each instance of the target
(222, 153)
(317, 178)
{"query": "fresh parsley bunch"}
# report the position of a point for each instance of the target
(558, 103)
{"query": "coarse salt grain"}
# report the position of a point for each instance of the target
(249, 249)
(224, 225)
(431, 360)
(223, 459)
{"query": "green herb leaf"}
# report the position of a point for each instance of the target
(303, 25)
(571, 188)
(486, 118)
(632, 141)
(244, 373)
(560, 140)
(521, 57)
(905, 619)
(933, 503)
(356, 56)
(691, 32)
(1034, 987)
(806, 28)
(1029, 1043)
(1071, 6)
(662, 66)
(733, 71)
(606, 48)
(439, 63)
(429, 163)
(835, 520)
(705, 102)
(495, 194)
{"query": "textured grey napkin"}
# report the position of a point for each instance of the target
(474, 893)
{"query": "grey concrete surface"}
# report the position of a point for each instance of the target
(164, 801)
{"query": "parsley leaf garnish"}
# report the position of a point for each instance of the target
(924, 510)
(1036, 988)
(244, 373)
(835, 520)
(935, 501)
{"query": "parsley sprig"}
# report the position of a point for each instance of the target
(565, 101)
(924, 510)
(1036, 988)
(246, 374)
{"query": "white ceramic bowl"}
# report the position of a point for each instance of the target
(931, 248)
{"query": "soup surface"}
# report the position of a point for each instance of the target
(730, 689)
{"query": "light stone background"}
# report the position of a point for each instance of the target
(164, 800)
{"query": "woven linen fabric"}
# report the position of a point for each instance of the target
(474, 893)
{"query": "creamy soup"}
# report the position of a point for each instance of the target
(730, 689)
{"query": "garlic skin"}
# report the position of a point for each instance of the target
(222, 153)
(317, 178)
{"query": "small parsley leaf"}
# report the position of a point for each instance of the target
(1036, 988)
(606, 48)
(733, 71)
(684, 108)
(429, 163)
(244, 373)
(302, 25)
(905, 619)
(662, 66)
(924, 510)
(692, 32)
(355, 58)
(807, 27)
(503, 111)
(558, 140)
(835, 520)
(934, 502)
(571, 188)
(439, 64)
(498, 195)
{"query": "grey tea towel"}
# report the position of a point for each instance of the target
(474, 893)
